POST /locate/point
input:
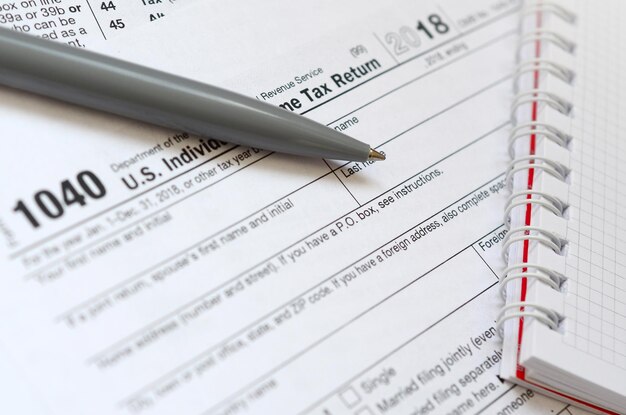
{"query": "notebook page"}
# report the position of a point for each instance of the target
(592, 345)
(597, 258)
(242, 281)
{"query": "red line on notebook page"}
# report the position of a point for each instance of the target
(521, 370)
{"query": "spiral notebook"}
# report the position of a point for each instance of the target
(564, 322)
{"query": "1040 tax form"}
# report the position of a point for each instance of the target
(150, 271)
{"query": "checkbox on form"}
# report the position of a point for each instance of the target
(350, 397)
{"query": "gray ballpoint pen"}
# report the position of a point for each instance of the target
(134, 91)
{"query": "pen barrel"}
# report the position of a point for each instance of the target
(134, 91)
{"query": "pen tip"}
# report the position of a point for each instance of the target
(375, 155)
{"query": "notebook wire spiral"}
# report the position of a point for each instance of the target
(527, 201)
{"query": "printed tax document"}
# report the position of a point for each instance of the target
(82, 23)
(147, 271)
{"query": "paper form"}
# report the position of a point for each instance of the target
(80, 22)
(146, 271)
